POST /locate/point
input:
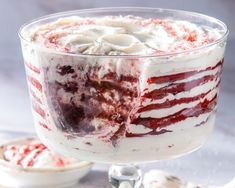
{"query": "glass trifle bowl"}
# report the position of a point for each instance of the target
(124, 85)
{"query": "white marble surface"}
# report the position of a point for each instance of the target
(214, 163)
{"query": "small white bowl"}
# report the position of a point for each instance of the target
(17, 176)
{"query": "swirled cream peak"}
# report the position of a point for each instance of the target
(121, 35)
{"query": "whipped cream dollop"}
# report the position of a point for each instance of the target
(122, 35)
(161, 179)
(35, 155)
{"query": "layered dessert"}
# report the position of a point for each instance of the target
(115, 88)
(35, 155)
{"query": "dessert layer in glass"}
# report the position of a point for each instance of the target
(123, 88)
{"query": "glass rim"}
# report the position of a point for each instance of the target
(143, 9)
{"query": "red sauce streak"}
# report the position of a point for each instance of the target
(153, 132)
(35, 97)
(192, 36)
(154, 123)
(119, 133)
(38, 110)
(35, 83)
(33, 68)
(44, 126)
(34, 158)
(180, 76)
(179, 87)
(170, 103)
(27, 150)
(60, 162)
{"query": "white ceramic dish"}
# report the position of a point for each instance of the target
(19, 177)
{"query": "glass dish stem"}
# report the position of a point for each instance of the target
(125, 176)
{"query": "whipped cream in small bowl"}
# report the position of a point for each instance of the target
(26, 162)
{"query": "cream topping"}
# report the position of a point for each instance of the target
(122, 35)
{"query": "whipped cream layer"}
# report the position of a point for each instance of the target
(122, 35)
(35, 155)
